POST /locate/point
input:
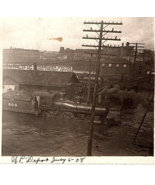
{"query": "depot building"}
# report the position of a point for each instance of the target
(34, 80)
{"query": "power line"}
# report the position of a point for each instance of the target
(101, 40)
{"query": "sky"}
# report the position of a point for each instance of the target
(38, 32)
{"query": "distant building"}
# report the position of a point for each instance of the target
(107, 52)
(14, 55)
(115, 68)
(50, 55)
(80, 59)
(84, 54)
(66, 54)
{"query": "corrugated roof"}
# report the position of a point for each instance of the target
(41, 78)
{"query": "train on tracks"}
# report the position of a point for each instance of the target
(49, 103)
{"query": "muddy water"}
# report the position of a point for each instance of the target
(24, 134)
(29, 135)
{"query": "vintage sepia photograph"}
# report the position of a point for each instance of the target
(77, 86)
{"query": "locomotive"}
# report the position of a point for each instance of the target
(53, 103)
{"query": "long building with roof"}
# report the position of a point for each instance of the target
(32, 81)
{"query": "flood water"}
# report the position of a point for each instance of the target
(25, 134)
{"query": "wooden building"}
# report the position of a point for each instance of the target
(32, 81)
(115, 68)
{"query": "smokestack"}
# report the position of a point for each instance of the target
(122, 49)
(127, 44)
(61, 49)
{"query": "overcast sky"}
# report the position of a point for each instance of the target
(36, 33)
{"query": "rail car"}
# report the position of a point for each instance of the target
(53, 103)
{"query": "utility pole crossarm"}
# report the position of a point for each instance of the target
(98, 38)
(85, 45)
(105, 46)
(105, 31)
(109, 23)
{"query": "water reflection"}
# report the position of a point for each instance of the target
(25, 134)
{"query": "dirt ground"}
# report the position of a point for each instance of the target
(27, 135)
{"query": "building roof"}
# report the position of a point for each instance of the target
(41, 78)
(19, 49)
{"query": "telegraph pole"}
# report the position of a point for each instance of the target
(135, 59)
(101, 39)
(88, 93)
(138, 47)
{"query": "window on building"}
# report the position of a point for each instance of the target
(110, 65)
(103, 65)
(124, 65)
(117, 65)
